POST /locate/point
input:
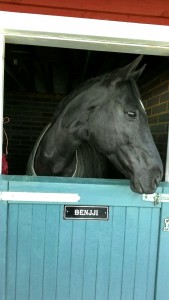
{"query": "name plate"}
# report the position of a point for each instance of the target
(80, 212)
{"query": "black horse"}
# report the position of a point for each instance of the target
(103, 121)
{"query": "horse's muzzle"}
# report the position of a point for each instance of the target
(146, 184)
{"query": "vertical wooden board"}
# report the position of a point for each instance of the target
(104, 258)
(130, 250)
(51, 251)
(12, 250)
(117, 245)
(143, 253)
(153, 254)
(23, 252)
(64, 258)
(162, 282)
(37, 251)
(3, 244)
(77, 259)
(90, 259)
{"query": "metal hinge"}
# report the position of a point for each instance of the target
(166, 225)
(156, 198)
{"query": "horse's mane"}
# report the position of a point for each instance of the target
(103, 79)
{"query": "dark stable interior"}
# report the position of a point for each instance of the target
(36, 78)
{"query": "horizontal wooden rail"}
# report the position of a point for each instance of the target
(31, 197)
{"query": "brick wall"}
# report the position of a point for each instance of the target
(155, 95)
(28, 114)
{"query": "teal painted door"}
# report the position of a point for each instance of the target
(44, 256)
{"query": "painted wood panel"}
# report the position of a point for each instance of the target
(76, 260)
(154, 12)
(3, 240)
(48, 257)
(162, 286)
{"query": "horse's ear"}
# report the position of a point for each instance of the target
(129, 71)
(135, 75)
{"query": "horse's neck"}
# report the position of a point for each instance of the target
(57, 148)
(66, 134)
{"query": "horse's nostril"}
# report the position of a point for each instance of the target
(157, 179)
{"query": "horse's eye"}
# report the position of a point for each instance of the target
(131, 114)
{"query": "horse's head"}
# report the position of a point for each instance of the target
(118, 127)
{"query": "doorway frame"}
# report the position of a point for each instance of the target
(78, 33)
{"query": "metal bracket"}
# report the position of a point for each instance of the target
(166, 222)
(156, 198)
